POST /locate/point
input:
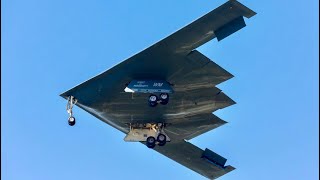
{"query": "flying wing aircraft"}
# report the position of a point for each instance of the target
(165, 94)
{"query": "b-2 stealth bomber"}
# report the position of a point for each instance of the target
(165, 94)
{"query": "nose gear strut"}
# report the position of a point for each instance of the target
(71, 101)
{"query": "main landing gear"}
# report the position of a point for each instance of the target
(151, 142)
(163, 99)
(152, 134)
(70, 103)
(161, 140)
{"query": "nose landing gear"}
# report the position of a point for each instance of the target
(70, 103)
(71, 121)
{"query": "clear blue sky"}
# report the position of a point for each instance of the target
(49, 46)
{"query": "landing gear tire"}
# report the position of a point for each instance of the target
(162, 139)
(153, 100)
(72, 121)
(151, 142)
(164, 98)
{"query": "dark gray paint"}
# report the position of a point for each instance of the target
(230, 28)
(194, 76)
(214, 157)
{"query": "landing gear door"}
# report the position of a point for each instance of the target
(149, 86)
